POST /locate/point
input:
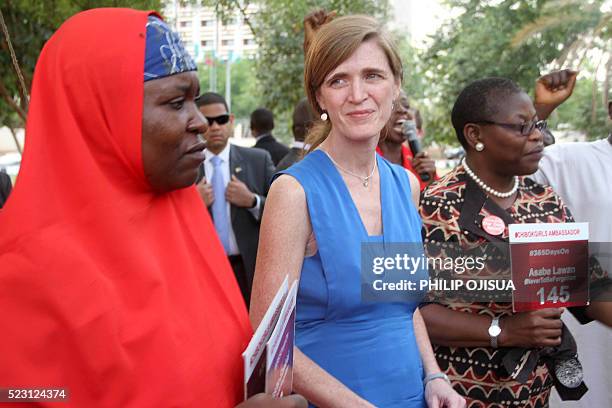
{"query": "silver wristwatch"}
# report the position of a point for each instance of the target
(494, 331)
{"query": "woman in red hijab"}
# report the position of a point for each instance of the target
(113, 284)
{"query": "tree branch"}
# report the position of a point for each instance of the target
(9, 99)
(16, 140)
(243, 11)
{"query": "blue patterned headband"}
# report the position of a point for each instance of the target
(165, 54)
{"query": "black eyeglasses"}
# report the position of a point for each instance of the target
(221, 119)
(525, 128)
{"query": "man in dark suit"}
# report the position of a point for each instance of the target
(234, 186)
(302, 120)
(262, 123)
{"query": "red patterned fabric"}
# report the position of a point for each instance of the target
(120, 295)
(477, 372)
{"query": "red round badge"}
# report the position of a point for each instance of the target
(493, 225)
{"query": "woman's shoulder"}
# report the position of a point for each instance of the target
(287, 197)
(544, 197)
(535, 191)
(307, 168)
(287, 187)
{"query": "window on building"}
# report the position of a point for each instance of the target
(227, 43)
(185, 23)
(248, 41)
(204, 43)
(205, 23)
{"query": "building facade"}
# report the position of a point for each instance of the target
(206, 36)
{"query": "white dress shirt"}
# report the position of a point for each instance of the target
(300, 145)
(580, 173)
(225, 168)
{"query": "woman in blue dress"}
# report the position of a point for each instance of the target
(319, 212)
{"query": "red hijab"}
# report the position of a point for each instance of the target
(120, 295)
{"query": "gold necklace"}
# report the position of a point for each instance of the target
(364, 180)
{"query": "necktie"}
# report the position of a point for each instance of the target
(219, 207)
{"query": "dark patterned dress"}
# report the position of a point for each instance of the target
(450, 217)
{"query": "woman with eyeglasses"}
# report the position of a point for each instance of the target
(495, 357)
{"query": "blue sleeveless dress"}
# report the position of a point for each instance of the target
(369, 347)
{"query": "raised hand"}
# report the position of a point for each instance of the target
(552, 89)
(424, 164)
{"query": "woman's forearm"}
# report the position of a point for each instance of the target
(321, 388)
(430, 365)
(543, 110)
(455, 329)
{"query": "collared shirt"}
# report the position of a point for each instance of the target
(299, 145)
(225, 168)
(262, 136)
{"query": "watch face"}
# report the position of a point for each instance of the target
(494, 331)
(569, 372)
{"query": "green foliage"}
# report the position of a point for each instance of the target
(30, 24)
(577, 112)
(280, 36)
(476, 44)
(279, 32)
(244, 97)
(414, 81)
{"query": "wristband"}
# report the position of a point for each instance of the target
(435, 376)
(494, 331)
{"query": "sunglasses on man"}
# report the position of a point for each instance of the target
(524, 128)
(221, 119)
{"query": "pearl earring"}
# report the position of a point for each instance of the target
(324, 116)
(479, 147)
